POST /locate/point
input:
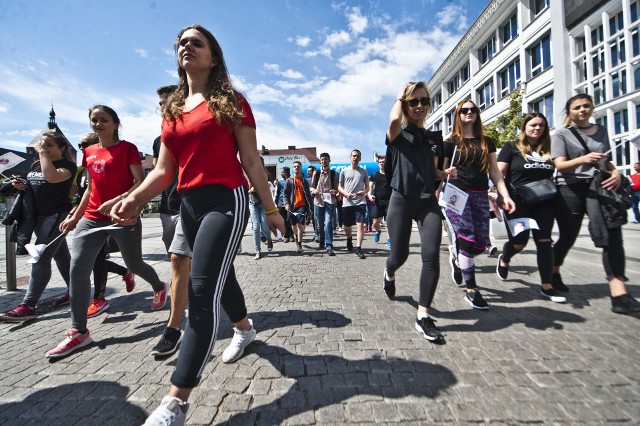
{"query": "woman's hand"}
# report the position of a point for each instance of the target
(506, 203)
(613, 182)
(452, 172)
(593, 157)
(125, 212)
(105, 208)
(19, 184)
(68, 224)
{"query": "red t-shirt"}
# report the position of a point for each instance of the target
(205, 152)
(110, 174)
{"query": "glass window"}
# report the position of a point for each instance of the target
(615, 23)
(636, 79)
(619, 83)
(544, 106)
(437, 126)
(509, 78)
(464, 73)
(581, 45)
(454, 84)
(436, 101)
(485, 95)
(597, 36)
(635, 42)
(634, 13)
(510, 29)
(451, 115)
(602, 121)
(487, 51)
(540, 54)
(597, 61)
(599, 92)
(620, 121)
(617, 51)
(537, 6)
(581, 69)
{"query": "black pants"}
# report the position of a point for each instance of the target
(101, 269)
(570, 207)
(213, 220)
(288, 230)
(426, 212)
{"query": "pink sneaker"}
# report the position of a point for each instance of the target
(129, 281)
(22, 312)
(73, 341)
(159, 298)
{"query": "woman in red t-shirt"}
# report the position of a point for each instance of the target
(114, 170)
(207, 123)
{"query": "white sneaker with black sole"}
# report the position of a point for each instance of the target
(552, 295)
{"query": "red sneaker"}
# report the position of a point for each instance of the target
(129, 281)
(21, 313)
(96, 307)
(73, 342)
(159, 298)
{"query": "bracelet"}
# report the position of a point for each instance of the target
(272, 211)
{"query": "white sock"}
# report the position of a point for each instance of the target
(422, 315)
(386, 275)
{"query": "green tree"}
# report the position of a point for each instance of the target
(506, 127)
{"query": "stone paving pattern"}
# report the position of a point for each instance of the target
(332, 349)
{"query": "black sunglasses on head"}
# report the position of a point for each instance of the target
(473, 110)
(84, 145)
(414, 102)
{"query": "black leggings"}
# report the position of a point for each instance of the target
(213, 220)
(543, 214)
(426, 213)
(570, 207)
(101, 269)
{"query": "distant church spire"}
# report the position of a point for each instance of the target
(52, 118)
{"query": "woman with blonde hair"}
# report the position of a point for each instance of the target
(525, 161)
(474, 156)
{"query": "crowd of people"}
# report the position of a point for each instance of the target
(205, 210)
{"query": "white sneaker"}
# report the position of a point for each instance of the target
(241, 340)
(171, 412)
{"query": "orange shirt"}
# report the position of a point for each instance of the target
(299, 193)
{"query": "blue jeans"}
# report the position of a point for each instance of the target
(325, 219)
(634, 206)
(259, 224)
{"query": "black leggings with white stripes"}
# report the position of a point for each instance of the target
(213, 220)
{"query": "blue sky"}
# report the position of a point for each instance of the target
(317, 73)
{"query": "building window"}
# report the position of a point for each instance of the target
(464, 73)
(617, 51)
(620, 121)
(437, 126)
(538, 6)
(540, 54)
(597, 35)
(581, 69)
(485, 95)
(634, 11)
(616, 23)
(509, 78)
(581, 45)
(638, 117)
(602, 121)
(436, 101)
(510, 30)
(450, 117)
(597, 61)
(544, 106)
(636, 79)
(453, 85)
(619, 83)
(599, 92)
(635, 42)
(487, 51)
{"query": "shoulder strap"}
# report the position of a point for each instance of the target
(577, 135)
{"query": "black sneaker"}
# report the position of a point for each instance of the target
(169, 342)
(349, 244)
(492, 250)
(428, 328)
(476, 301)
(502, 271)
(625, 304)
(456, 273)
(299, 248)
(269, 245)
(321, 246)
(330, 252)
(389, 286)
(556, 282)
(553, 295)
(359, 253)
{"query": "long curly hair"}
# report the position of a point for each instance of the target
(464, 144)
(544, 147)
(222, 99)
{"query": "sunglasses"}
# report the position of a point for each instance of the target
(473, 110)
(414, 102)
(84, 145)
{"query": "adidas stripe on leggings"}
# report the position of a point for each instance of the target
(213, 220)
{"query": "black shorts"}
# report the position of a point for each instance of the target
(380, 210)
(353, 214)
(298, 215)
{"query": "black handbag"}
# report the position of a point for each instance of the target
(533, 193)
(613, 204)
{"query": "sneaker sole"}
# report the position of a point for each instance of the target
(75, 348)
(426, 336)
(556, 299)
(171, 351)
(237, 357)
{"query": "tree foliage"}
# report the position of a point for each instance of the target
(506, 127)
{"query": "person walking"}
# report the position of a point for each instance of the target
(214, 212)
(354, 187)
(635, 187)
(380, 194)
(578, 151)
(526, 161)
(259, 223)
(324, 187)
(297, 201)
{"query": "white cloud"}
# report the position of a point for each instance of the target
(453, 14)
(172, 73)
(357, 22)
(143, 53)
(291, 74)
(337, 38)
(3, 108)
(303, 41)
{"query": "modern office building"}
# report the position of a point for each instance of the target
(552, 50)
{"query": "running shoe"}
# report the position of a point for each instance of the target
(22, 312)
(376, 237)
(129, 281)
(474, 298)
(169, 342)
(389, 286)
(74, 341)
(96, 307)
(239, 342)
(159, 298)
(456, 273)
(502, 271)
(553, 295)
(171, 412)
(428, 328)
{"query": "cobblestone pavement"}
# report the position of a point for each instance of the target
(332, 349)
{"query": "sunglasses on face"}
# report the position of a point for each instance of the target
(84, 145)
(473, 110)
(414, 102)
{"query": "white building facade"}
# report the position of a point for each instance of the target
(552, 50)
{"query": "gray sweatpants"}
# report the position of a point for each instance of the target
(84, 251)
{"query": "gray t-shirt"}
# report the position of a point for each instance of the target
(354, 180)
(566, 145)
